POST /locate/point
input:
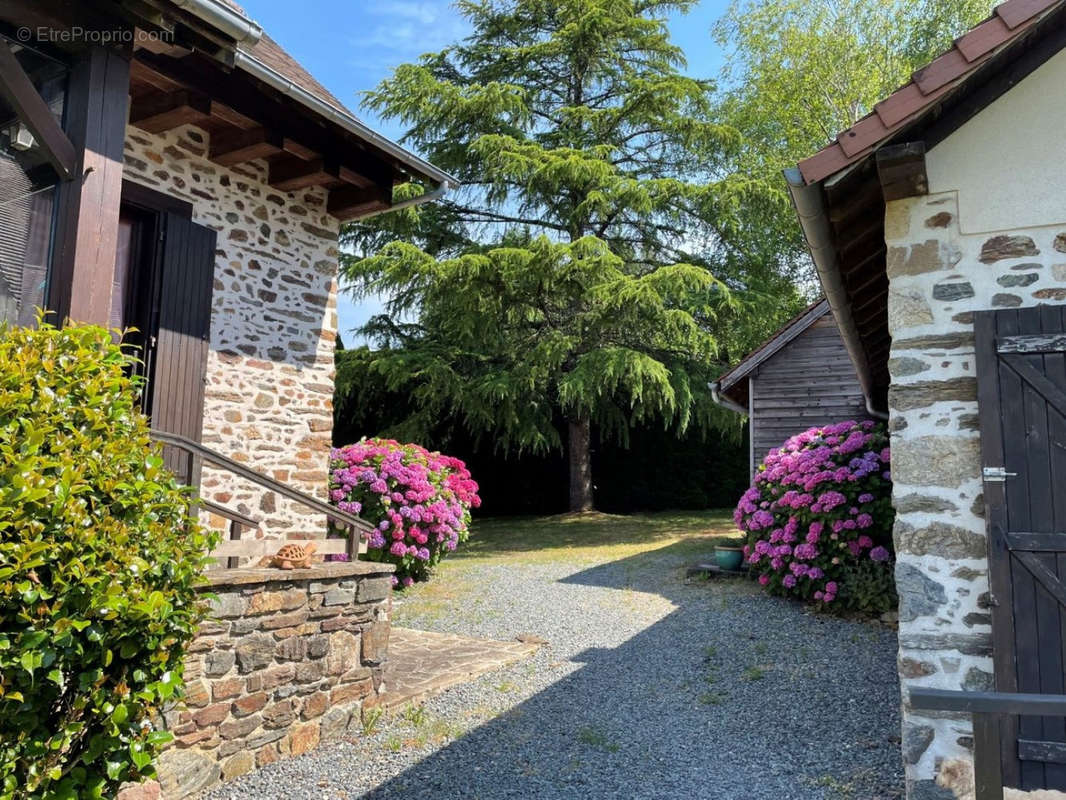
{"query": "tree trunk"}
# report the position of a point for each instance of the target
(580, 466)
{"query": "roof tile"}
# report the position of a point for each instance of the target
(1015, 12)
(867, 131)
(927, 86)
(941, 71)
(988, 35)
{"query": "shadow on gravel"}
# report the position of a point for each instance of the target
(732, 695)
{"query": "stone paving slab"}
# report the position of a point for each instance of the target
(423, 663)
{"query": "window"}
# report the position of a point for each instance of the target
(27, 194)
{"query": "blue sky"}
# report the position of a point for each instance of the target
(350, 46)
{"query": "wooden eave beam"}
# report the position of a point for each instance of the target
(901, 171)
(351, 202)
(164, 112)
(293, 174)
(236, 147)
(19, 92)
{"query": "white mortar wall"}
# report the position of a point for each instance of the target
(1007, 163)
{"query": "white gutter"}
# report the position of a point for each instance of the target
(276, 80)
(223, 18)
(815, 224)
(724, 401)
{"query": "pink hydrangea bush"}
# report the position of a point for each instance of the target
(419, 502)
(818, 518)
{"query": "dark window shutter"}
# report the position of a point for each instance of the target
(180, 353)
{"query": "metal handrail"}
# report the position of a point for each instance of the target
(217, 459)
(987, 710)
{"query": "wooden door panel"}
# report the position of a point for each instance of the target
(1021, 358)
(180, 354)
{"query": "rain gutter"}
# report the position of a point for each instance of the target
(724, 401)
(809, 202)
(223, 18)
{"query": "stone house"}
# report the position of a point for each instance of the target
(799, 378)
(174, 170)
(938, 227)
(166, 166)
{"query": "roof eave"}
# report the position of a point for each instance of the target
(809, 202)
(345, 120)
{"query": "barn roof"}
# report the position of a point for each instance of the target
(733, 385)
(840, 192)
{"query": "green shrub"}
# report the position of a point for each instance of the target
(98, 560)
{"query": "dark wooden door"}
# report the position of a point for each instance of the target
(1021, 366)
(179, 350)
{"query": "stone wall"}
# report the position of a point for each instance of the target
(269, 387)
(287, 661)
(938, 277)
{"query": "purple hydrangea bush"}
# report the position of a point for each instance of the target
(419, 500)
(818, 518)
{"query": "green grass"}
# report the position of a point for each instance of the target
(591, 533)
(594, 737)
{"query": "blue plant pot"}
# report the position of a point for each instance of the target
(728, 558)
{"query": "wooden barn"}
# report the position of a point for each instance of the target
(798, 378)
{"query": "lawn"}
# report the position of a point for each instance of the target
(594, 535)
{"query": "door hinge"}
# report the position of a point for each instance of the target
(997, 474)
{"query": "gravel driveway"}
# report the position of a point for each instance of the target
(650, 687)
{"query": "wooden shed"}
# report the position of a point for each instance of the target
(799, 378)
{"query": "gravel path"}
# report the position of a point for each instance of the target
(649, 688)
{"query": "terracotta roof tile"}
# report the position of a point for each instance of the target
(927, 86)
(941, 71)
(274, 56)
(989, 34)
(1015, 12)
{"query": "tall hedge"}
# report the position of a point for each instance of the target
(98, 561)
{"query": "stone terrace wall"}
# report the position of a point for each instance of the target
(288, 661)
(269, 394)
(938, 278)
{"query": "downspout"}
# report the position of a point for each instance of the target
(810, 207)
(724, 401)
(224, 19)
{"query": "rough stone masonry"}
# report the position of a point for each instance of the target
(938, 278)
(288, 660)
(269, 394)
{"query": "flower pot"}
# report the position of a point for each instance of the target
(728, 558)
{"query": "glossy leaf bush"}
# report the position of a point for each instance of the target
(98, 562)
(818, 518)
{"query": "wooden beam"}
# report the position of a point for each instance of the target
(236, 147)
(351, 202)
(293, 174)
(164, 112)
(901, 170)
(223, 113)
(304, 137)
(19, 92)
(87, 209)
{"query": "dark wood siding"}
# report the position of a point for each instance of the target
(810, 381)
(180, 355)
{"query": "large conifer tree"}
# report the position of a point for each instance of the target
(593, 265)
